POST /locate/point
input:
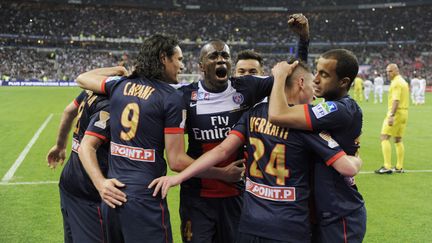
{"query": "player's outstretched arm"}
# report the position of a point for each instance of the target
(57, 153)
(207, 160)
(178, 160)
(108, 188)
(279, 112)
(348, 165)
(92, 80)
(299, 24)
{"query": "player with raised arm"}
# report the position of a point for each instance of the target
(80, 201)
(147, 115)
(277, 179)
(340, 207)
(210, 209)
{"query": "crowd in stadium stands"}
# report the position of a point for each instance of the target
(66, 64)
(23, 23)
(280, 3)
(262, 27)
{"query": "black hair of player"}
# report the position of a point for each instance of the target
(347, 63)
(250, 54)
(148, 63)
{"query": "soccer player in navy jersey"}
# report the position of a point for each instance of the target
(340, 207)
(80, 201)
(277, 176)
(210, 209)
(147, 115)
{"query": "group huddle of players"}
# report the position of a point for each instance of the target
(277, 171)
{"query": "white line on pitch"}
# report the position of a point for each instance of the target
(24, 153)
(407, 171)
(56, 182)
(27, 183)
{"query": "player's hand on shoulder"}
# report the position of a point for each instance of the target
(110, 192)
(234, 171)
(300, 25)
(55, 156)
(163, 184)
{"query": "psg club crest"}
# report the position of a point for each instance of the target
(238, 98)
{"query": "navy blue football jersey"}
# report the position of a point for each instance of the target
(277, 176)
(210, 117)
(343, 119)
(142, 112)
(92, 119)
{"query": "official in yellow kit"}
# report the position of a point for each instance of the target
(395, 122)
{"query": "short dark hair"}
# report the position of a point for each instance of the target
(249, 54)
(347, 64)
(301, 65)
(148, 63)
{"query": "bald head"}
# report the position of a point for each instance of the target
(214, 45)
(392, 70)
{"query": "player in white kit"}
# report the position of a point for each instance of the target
(422, 91)
(378, 88)
(368, 85)
(415, 89)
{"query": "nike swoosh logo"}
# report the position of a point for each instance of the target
(192, 104)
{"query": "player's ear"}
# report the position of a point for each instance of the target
(163, 58)
(300, 82)
(345, 83)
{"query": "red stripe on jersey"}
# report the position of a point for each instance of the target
(173, 130)
(307, 117)
(344, 230)
(97, 135)
(101, 224)
(76, 103)
(103, 86)
(163, 222)
(238, 134)
(335, 157)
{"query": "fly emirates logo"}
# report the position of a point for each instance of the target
(220, 129)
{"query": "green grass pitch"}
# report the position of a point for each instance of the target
(399, 205)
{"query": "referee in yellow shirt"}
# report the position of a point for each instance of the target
(395, 122)
(358, 89)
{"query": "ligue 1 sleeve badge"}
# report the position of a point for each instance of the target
(238, 98)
